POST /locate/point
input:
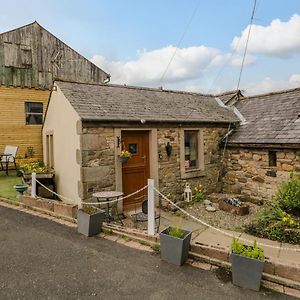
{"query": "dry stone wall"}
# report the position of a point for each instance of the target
(249, 174)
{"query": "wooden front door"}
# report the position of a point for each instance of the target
(135, 172)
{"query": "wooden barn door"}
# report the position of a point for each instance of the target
(135, 172)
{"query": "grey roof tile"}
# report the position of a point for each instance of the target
(100, 102)
(273, 118)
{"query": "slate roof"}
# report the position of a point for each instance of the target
(99, 102)
(271, 119)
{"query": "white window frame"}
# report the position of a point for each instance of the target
(195, 172)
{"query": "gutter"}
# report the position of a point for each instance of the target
(143, 121)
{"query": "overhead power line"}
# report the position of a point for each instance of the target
(180, 41)
(246, 46)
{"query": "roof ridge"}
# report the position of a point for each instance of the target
(136, 87)
(271, 93)
(20, 27)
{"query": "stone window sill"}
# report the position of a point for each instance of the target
(192, 174)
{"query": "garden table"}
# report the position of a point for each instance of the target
(108, 198)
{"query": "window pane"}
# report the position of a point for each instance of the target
(34, 112)
(191, 149)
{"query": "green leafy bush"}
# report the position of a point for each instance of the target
(249, 251)
(275, 224)
(288, 195)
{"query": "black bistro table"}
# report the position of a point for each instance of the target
(108, 198)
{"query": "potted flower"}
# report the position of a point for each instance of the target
(124, 156)
(89, 220)
(247, 265)
(38, 167)
(175, 245)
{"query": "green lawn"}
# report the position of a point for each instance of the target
(7, 185)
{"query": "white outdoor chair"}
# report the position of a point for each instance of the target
(8, 157)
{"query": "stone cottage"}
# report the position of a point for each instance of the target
(263, 151)
(173, 137)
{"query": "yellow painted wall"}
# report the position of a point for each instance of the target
(13, 128)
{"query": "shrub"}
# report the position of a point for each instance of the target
(275, 224)
(248, 251)
(288, 195)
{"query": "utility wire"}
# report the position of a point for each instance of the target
(246, 46)
(179, 42)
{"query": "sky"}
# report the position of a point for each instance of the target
(192, 45)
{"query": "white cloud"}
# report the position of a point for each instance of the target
(188, 64)
(280, 39)
(149, 66)
(269, 85)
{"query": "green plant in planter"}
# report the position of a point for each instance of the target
(34, 165)
(254, 251)
(89, 210)
(176, 232)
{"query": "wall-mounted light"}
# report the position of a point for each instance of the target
(169, 149)
(118, 142)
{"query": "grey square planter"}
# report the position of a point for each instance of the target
(174, 250)
(246, 271)
(90, 224)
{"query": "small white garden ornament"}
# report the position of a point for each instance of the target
(187, 195)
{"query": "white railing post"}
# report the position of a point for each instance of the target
(33, 185)
(151, 208)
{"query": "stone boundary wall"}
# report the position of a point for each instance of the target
(57, 207)
(248, 172)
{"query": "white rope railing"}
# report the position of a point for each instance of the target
(179, 208)
(220, 230)
(91, 203)
(56, 194)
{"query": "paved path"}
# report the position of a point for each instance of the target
(208, 236)
(44, 260)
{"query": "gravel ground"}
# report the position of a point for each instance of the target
(223, 219)
(220, 218)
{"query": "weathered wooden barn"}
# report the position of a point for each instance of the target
(30, 58)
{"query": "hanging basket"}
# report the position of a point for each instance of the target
(123, 159)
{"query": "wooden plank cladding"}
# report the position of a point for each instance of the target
(30, 56)
(13, 128)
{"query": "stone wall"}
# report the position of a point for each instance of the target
(170, 180)
(97, 161)
(249, 174)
